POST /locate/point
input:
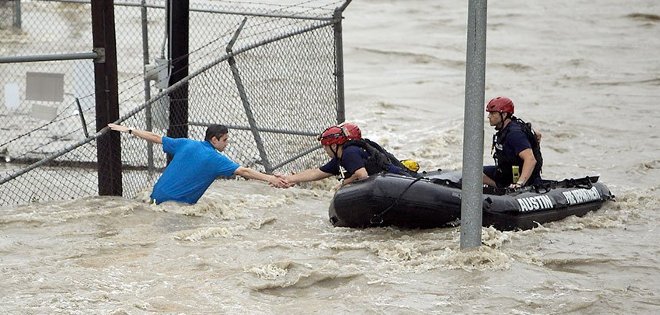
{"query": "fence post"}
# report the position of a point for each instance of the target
(147, 86)
(473, 138)
(246, 103)
(339, 64)
(108, 147)
(179, 15)
(17, 14)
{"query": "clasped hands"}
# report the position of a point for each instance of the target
(280, 181)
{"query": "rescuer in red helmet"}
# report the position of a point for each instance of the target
(352, 130)
(516, 148)
(357, 156)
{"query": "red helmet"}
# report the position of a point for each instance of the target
(500, 104)
(333, 135)
(352, 130)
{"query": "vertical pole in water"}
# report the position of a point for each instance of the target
(108, 146)
(473, 137)
(179, 25)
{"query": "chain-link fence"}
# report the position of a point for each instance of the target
(270, 71)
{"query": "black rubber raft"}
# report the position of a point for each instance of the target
(435, 201)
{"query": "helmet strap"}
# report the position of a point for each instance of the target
(500, 124)
(335, 150)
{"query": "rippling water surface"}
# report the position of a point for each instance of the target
(586, 73)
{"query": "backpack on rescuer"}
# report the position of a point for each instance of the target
(379, 158)
(531, 137)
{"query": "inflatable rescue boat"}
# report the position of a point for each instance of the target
(434, 200)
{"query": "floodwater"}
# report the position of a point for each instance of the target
(586, 73)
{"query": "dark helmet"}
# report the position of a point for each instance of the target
(333, 135)
(500, 104)
(352, 130)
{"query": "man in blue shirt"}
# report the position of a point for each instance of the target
(195, 164)
(358, 157)
(516, 148)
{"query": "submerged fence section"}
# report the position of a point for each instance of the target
(271, 72)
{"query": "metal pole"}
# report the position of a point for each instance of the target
(166, 34)
(250, 116)
(82, 118)
(147, 87)
(17, 14)
(53, 57)
(179, 39)
(246, 104)
(473, 138)
(108, 148)
(339, 65)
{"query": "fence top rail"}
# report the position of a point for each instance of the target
(270, 130)
(50, 57)
(218, 11)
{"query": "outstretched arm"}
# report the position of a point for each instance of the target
(146, 135)
(252, 174)
(307, 175)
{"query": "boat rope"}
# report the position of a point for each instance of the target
(377, 219)
(548, 185)
(585, 182)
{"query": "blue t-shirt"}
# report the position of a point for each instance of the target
(352, 159)
(194, 166)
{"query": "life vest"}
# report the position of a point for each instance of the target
(379, 159)
(504, 162)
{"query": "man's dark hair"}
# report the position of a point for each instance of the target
(215, 131)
